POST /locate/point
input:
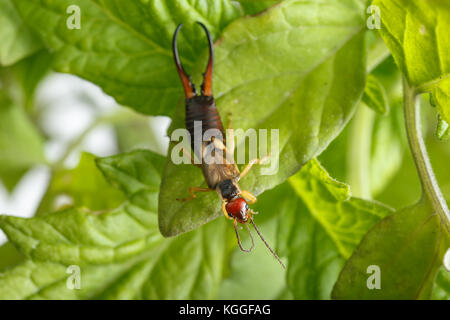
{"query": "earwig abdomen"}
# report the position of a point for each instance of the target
(202, 108)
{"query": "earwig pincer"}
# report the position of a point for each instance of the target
(221, 176)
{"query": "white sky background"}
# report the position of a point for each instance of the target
(68, 112)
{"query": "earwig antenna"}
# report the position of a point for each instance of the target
(239, 239)
(267, 245)
(207, 76)
(189, 88)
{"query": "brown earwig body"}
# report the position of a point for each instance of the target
(221, 176)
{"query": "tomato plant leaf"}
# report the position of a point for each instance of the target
(131, 172)
(307, 89)
(18, 41)
(120, 252)
(79, 187)
(125, 47)
(256, 6)
(375, 96)
(407, 246)
(442, 129)
(320, 224)
(441, 289)
(314, 261)
(21, 144)
(30, 71)
(10, 256)
(78, 235)
(346, 219)
(416, 33)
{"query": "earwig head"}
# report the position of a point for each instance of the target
(238, 209)
(189, 88)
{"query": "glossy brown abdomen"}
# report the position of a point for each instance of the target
(202, 108)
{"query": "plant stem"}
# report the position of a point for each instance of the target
(430, 187)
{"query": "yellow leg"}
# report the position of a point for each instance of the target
(192, 191)
(250, 165)
(225, 211)
(248, 196)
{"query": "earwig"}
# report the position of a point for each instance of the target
(223, 176)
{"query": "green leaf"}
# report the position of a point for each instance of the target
(125, 47)
(441, 94)
(314, 261)
(256, 6)
(320, 224)
(132, 173)
(78, 235)
(11, 178)
(345, 218)
(10, 256)
(307, 89)
(442, 129)
(21, 144)
(370, 150)
(375, 96)
(79, 187)
(407, 247)
(416, 33)
(441, 289)
(18, 41)
(189, 267)
(30, 72)
(120, 252)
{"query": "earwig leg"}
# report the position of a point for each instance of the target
(224, 210)
(248, 196)
(192, 191)
(218, 144)
(250, 165)
(188, 154)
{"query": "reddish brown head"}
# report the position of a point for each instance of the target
(238, 209)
